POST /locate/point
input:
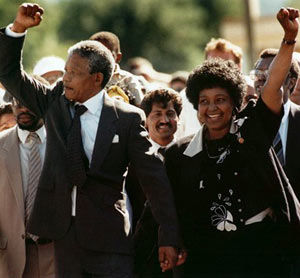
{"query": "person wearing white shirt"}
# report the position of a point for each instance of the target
(23, 255)
(289, 130)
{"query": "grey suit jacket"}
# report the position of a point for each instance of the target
(12, 228)
(101, 220)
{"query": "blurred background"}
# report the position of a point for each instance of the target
(171, 34)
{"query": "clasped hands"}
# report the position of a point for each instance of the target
(169, 257)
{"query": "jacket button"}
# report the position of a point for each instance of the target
(23, 236)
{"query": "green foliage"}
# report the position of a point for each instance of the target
(165, 32)
(40, 41)
(171, 34)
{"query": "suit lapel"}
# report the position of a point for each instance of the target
(105, 133)
(12, 158)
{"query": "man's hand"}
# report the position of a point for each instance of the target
(28, 15)
(288, 18)
(182, 255)
(167, 256)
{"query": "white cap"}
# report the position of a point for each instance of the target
(48, 64)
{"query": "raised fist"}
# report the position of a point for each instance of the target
(28, 15)
(288, 18)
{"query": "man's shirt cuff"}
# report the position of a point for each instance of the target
(13, 34)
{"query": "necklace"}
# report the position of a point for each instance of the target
(224, 152)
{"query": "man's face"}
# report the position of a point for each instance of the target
(26, 119)
(177, 85)
(162, 123)
(261, 73)
(79, 84)
(52, 76)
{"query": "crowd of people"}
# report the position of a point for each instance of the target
(119, 174)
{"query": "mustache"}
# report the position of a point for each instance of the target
(30, 114)
(167, 124)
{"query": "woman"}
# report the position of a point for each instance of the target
(235, 206)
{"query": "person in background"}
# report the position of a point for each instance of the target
(143, 67)
(50, 68)
(295, 95)
(178, 81)
(286, 142)
(125, 80)
(7, 118)
(22, 152)
(224, 49)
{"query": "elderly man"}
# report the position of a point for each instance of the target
(80, 201)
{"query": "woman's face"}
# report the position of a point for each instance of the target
(215, 108)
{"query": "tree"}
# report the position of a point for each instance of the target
(171, 34)
(168, 33)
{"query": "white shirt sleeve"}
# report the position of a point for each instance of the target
(13, 34)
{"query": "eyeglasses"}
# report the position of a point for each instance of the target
(259, 75)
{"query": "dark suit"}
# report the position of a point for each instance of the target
(101, 223)
(292, 162)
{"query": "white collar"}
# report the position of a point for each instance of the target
(157, 146)
(94, 103)
(196, 144)
(23, 134)
(286, 107)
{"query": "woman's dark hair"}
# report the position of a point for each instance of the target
(215, 73)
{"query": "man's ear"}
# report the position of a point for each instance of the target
(292, 83)
(99, 78)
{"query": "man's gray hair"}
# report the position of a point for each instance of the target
(99, 57)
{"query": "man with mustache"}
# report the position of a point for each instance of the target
(22, 151)
(162, 108)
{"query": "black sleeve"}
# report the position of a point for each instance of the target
(263, 120)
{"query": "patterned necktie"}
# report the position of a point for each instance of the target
(77, 161)
(35, 168)
(277, 144)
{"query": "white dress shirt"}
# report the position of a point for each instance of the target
(155, 147)
(24, 148)
(89, 126)
(283, 130)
